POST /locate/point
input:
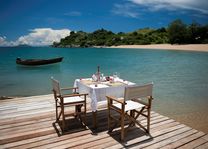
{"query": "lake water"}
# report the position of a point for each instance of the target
(180, 78)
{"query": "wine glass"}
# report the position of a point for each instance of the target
(118, 75)
(115, 75)
(102, 77)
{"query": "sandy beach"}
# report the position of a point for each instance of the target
(188, 47)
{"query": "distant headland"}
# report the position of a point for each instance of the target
(176, 33)
(23, 45)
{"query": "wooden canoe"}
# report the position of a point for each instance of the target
(35, 62)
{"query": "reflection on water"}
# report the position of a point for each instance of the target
(48, 67)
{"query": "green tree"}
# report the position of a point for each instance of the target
(177, 32)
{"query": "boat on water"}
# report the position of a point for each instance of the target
(36, 62)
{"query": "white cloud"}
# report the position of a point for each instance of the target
(38, 37)
(197, 5)
(126, 10)
(4, 42)
(43, 36)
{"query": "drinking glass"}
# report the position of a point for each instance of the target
(118, 75)
(102, 77)
(115, 75)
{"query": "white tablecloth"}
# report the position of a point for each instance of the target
(99, 92)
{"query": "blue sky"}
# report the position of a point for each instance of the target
(40, 22)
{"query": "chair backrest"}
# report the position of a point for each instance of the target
(136, 91)
(56, 86)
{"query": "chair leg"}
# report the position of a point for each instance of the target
(78, 113)
(109, 120)
(56, 112)
(132, 114)
(83, 120)
(63, 117)
(148, 120)
(94, 115)
(122, 127)
(85, 110)
(77, 110)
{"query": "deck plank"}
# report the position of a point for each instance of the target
(27, 142)
(185, 140)
(193, 144)
(26, 122)
(175, 138)
(131, 139)
(203, 146)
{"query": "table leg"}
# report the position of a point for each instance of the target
(94, 115)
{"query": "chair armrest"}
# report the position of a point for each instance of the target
(115, 99)
(69, 88)
(73, 95)
(83, 94)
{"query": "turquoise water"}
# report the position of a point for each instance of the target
(180, 78)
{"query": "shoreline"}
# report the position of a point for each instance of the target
(11, 97)
(187, 47)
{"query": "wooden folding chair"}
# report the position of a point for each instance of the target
(65, 100)
(131, 107)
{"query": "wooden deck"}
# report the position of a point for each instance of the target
(28, 123)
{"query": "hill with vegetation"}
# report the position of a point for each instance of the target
(176, 33)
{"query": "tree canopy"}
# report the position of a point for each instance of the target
(180, 33)
(176, 33)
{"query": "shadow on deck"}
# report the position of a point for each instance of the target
(29, 123)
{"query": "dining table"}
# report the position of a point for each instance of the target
(98, 90)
